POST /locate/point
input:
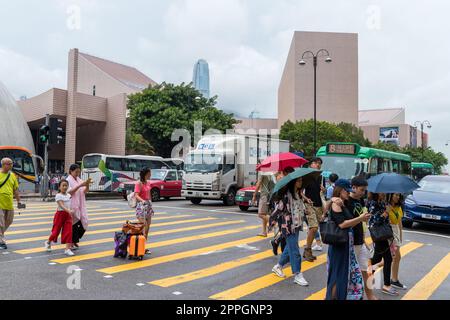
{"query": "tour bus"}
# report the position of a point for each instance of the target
(348, 160)
(24, 166)
(421, 169)
(108, 171)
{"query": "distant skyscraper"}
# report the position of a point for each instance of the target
(201, 77)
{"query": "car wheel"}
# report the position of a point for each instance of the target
(155, 194)
(243, 208)
(196, 200)
(229, 198)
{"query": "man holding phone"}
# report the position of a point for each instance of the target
(9, 188)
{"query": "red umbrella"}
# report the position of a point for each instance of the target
(280, 161)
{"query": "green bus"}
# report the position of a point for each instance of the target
(348, 160)
(421, 169)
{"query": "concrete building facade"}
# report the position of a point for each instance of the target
(337, 82)
(377, 122)
(93, 108)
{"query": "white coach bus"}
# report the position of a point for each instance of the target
(108, 171)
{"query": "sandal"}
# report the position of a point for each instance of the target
(262, 235)
(391, 291)
(147, 251)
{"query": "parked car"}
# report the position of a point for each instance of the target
(244, 198)
(430, 203)
(165, 183)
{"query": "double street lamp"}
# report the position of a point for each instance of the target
(422, 123)
(309, 54)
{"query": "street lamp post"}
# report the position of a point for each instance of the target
(422, 123)
(302, 63)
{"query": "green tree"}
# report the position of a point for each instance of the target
(300, 135)
(136, 144)
(157, 111)
(354, 134)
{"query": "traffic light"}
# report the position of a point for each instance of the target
(57, 133)
(44, 133)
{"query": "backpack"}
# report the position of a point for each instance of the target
(121, 241)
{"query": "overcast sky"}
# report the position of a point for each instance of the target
(404, 52)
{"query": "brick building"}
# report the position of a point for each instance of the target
(93, 108)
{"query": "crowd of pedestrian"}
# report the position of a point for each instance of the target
(350, 266)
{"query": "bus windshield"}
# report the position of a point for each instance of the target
(203, 163)
(90, 162)
(344, 167)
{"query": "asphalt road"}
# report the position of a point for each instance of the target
(204, 251)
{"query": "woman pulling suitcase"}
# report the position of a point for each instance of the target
(144, 210)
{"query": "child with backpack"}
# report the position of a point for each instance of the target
(62, 220)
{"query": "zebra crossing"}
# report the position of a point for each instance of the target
(206, 254)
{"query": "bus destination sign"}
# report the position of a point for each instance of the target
(341, 148)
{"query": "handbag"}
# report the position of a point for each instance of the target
(331, 233)
(132, 201)
(133, 228)
(381, 231)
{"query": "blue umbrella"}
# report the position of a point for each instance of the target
(391, 183)
(306, 173)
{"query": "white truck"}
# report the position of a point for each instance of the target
(222, 164)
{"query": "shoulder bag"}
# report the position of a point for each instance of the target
(6, 180)
(331, 233)
(381, 231)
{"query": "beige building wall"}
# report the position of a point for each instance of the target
(256, 123)
(337, 82)
(116, 124)
(373, 133)
(105, 85)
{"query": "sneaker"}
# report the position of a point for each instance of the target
(299, 279)
(391, 291)
(274, 247)
(69, 253)
(48, 246)
(74, 248)
(278, 271)
(3, 246)
(397, 284)
(317, 248)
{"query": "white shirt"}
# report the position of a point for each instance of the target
(65, 198)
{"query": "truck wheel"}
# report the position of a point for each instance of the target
(229, 198)
(196, 200)
(155, 194)
(243, 208)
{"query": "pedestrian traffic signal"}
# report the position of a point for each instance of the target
(57, 133)
(44, 133)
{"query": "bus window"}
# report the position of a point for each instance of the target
(90, 162)
(114, 164)
(396, 166)
(131, 165)
(406, 168)
(373, 166)
(380, 166)
(28, 167)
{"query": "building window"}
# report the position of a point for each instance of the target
(93, 90)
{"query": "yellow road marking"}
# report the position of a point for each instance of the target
(106, 240)
(26, 216)
(110, 253)
(210, 271)
(264, 281)
(50, 221)
(112, 230)
(45, 209)
(103, 215)
(425, 287)
(91, 225)
(176, 256)
(404, 250)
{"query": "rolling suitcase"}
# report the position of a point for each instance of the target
(136, 248)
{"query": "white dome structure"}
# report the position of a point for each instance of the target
(14, 129)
